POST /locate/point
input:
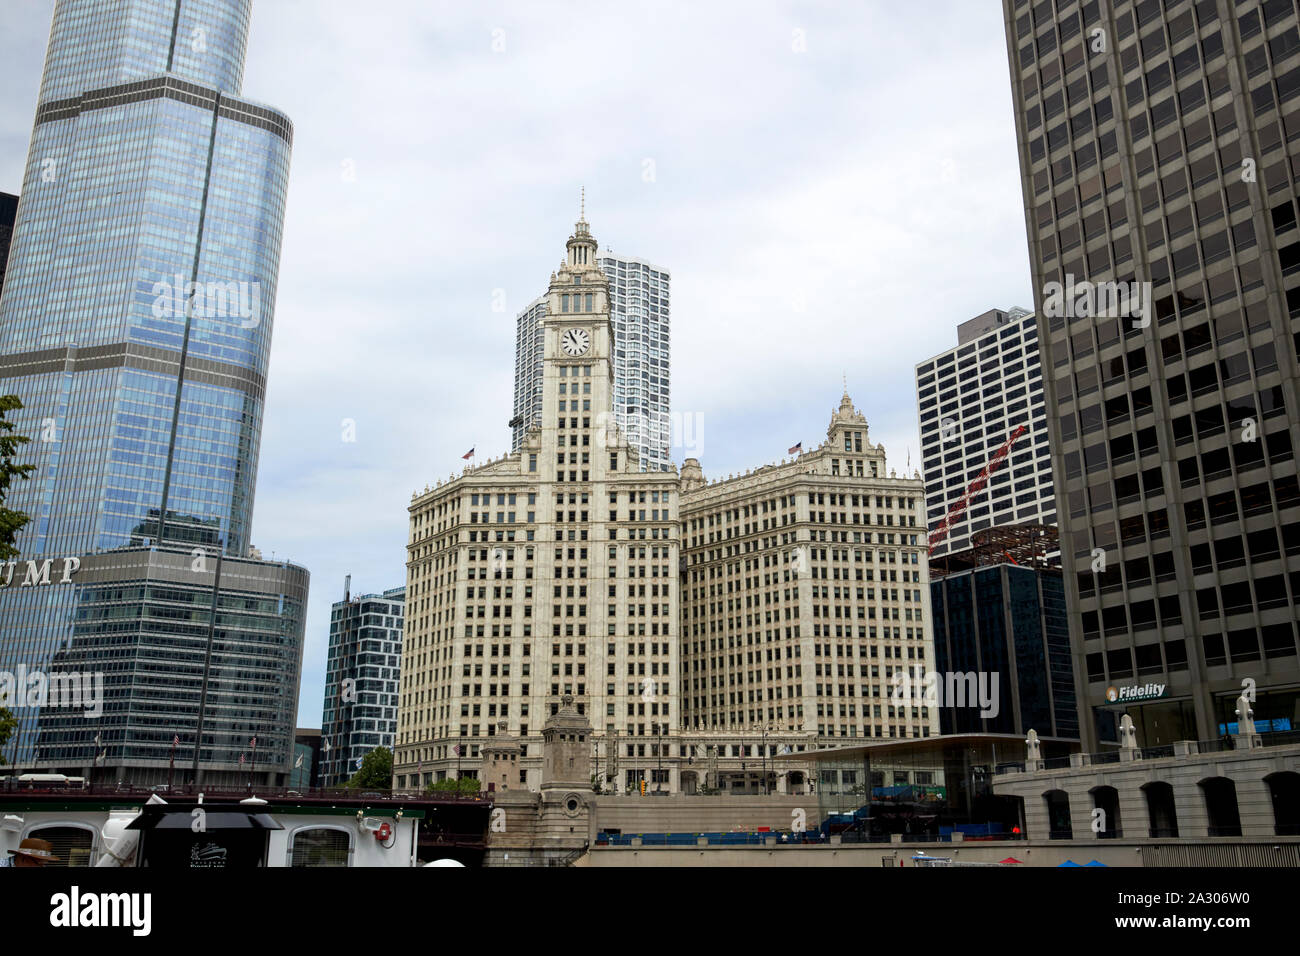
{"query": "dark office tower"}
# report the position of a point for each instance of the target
(1159, 144)
(1000, 636)
(8, 213)
(135, 327)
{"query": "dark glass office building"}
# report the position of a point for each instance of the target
(1010, 621)
(135, 326)
(8, 215)
(1159, 144)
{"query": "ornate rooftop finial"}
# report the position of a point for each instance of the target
(582, 205)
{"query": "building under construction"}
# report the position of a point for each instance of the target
(1023, 545)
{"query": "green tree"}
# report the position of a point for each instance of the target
(465, 785)
(10, 521)
(376, 771)
(8, 724)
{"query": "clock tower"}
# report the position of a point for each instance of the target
(577, 364)
(546, 579)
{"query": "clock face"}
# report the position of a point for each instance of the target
(575, 341)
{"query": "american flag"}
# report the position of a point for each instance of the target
(253, 742)
(795, 449)
(455, 750)
(241, 760)
(468, 454)
(176, 740)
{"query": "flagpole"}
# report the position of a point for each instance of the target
(253, 767)
(171, 763)
(207, 663)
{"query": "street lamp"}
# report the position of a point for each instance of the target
(764, 728)
(659, 752)
(767, 791)
(207, 653)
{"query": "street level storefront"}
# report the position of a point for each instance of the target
(923, 788)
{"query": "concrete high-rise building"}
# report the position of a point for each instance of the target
(564, 570)
(135, 326)
(805, 590)
(362, 676)
(970, 399)
(639, 307)
(1157, 156)
(547, 572)
(528, 370)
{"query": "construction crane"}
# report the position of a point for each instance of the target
(959, 508)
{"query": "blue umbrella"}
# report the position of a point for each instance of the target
(1094, 863)
(1069, 863)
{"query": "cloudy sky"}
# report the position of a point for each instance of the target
(833, 186)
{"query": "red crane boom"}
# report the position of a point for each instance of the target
(941, 530)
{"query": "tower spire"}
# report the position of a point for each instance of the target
(581, 245)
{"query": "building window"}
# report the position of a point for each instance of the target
(320, 846)
(73, 845)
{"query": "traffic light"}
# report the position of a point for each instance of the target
(643, 788)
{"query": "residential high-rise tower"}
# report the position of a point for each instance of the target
(362, 675)
(639, 310)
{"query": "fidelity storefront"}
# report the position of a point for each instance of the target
(1158, 718)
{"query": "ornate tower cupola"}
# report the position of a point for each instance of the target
(848, 436)
(581, 245)
(577, 308)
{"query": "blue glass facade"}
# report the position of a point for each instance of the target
(1007, 621)
(138, 305)
(137, 311)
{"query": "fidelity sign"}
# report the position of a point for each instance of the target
(1121, 695)
(35, 573)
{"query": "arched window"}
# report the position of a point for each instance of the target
(73, 843)
(320, 846)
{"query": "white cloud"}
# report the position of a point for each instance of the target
(832, 212)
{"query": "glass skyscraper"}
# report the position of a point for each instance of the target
(135, 326)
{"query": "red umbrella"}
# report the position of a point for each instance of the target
(1010, 859)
